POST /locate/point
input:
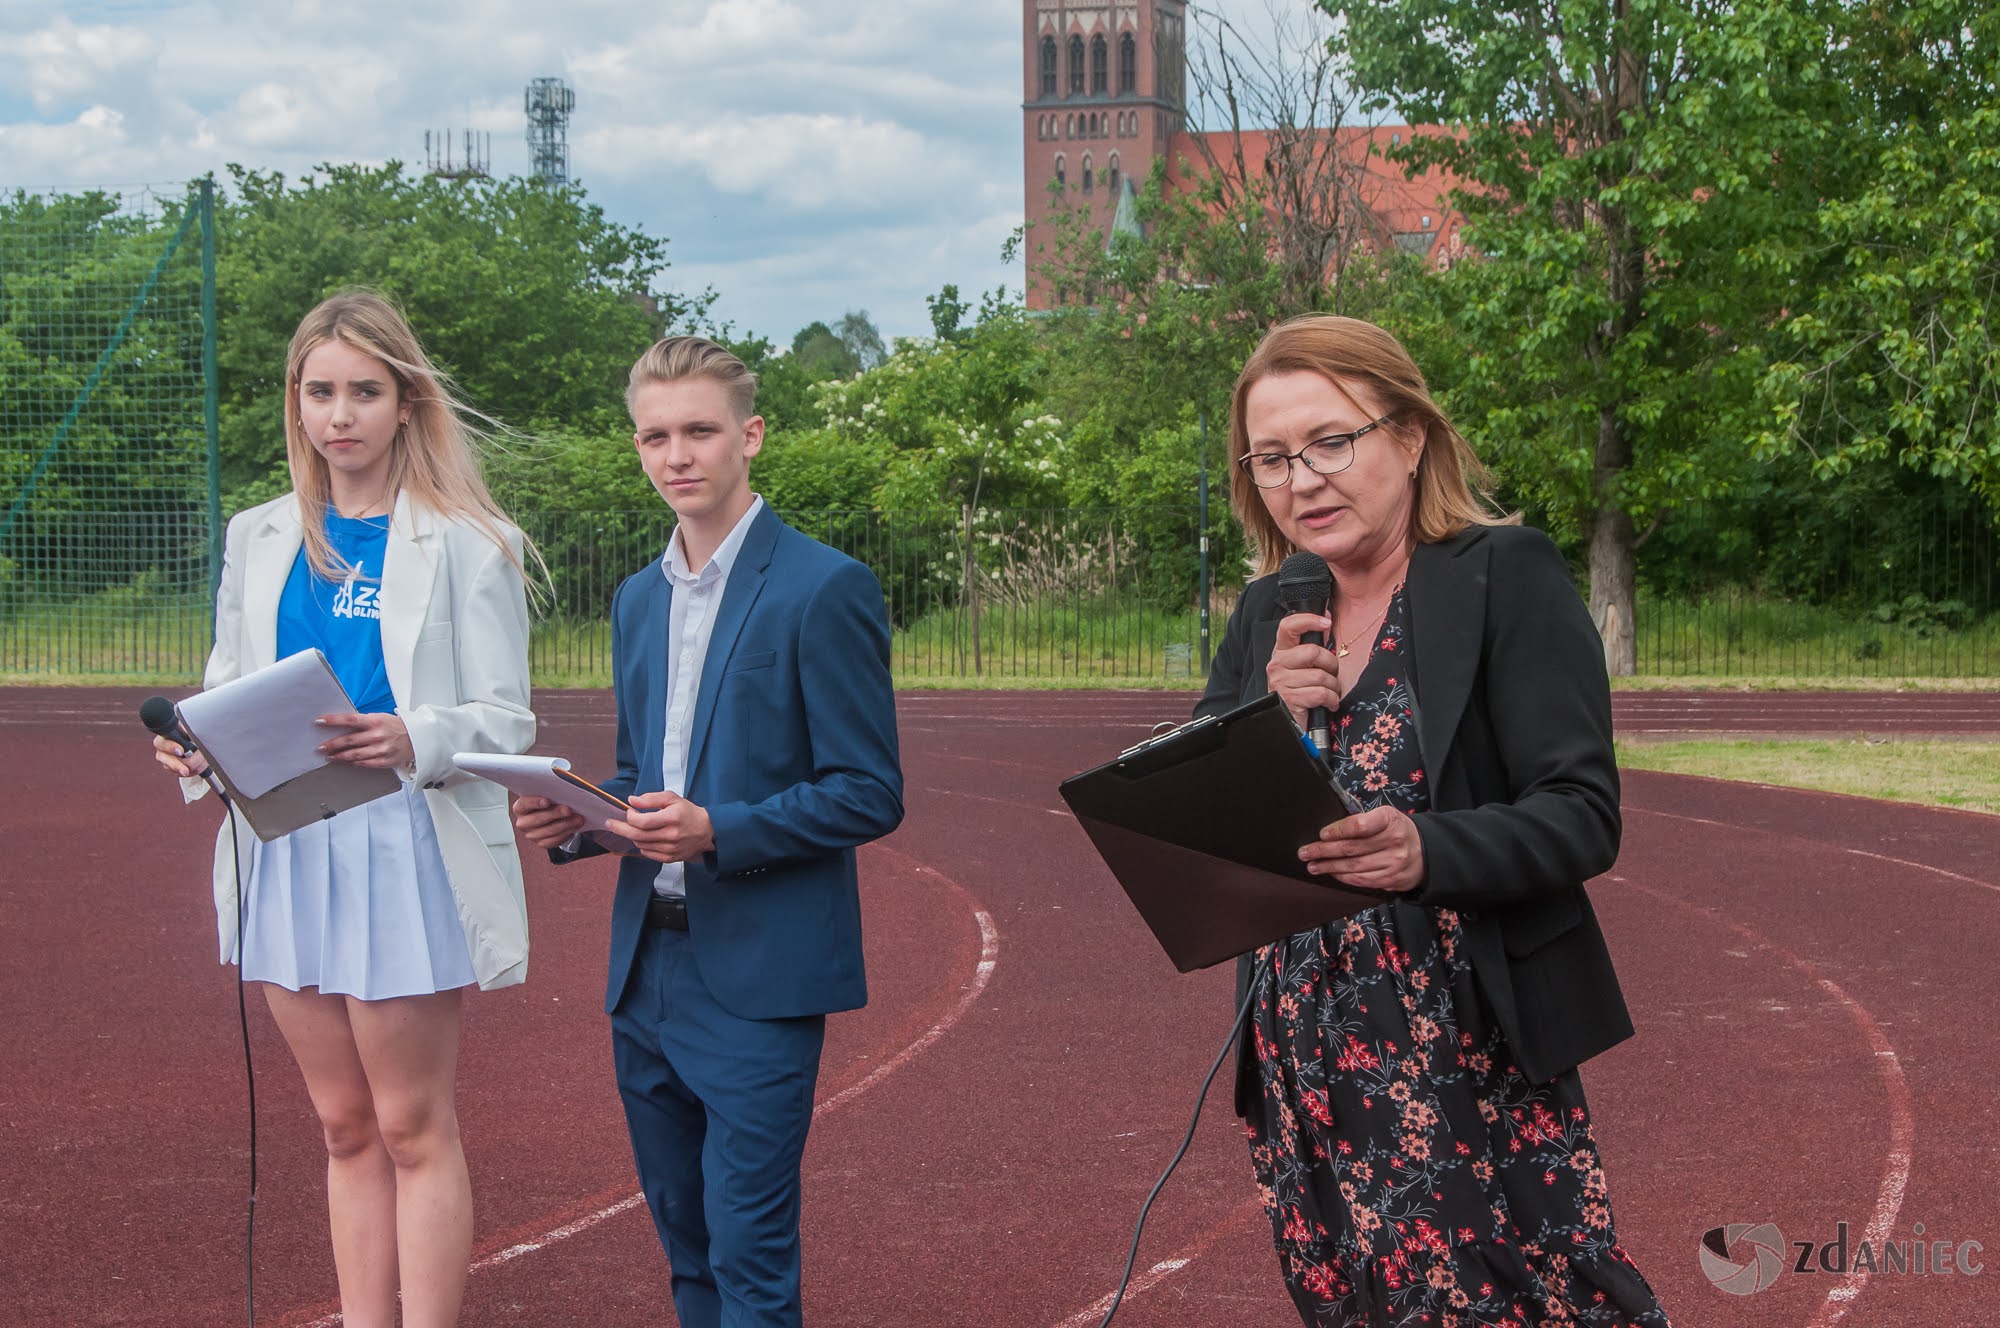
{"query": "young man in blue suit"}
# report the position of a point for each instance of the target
(757, 747)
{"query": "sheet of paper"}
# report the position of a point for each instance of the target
(542, 777)
(259, 729)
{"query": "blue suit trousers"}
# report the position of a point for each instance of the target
(718, 1108)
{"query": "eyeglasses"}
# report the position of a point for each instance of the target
(1323, 456)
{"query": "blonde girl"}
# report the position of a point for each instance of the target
(390, 556)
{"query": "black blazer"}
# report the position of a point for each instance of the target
(1514, 726)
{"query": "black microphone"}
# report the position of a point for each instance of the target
(1305, 584)
(157, 713)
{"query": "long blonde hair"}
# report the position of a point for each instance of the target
(1453, 487)
(434, 457)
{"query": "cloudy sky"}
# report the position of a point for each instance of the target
(803, 157)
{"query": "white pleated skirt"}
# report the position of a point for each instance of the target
(357, 905)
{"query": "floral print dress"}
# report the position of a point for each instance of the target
(1412, 1175)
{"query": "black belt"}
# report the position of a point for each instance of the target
(662, 911)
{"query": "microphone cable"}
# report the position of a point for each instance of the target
(162, 719)
(1235, 1031)
(249, 1071)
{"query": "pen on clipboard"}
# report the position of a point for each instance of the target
(1347, 800)
(579, 781)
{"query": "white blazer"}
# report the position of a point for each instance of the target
(455, 647)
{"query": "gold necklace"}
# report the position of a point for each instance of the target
(1341, 653)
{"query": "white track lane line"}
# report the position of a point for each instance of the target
(989, 958)
(1816, 843)
(982, 975)
(1902, 1118)
(1092, 1314)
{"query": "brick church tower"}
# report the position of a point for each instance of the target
(1104, 83)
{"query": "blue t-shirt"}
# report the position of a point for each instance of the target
(342, 618)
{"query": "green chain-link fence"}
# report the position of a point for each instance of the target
(1056, 595)
(110, 521)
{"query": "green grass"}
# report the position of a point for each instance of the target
(1933, 773)
(1036, 647)
(1052, 643)
(1657, 682)
(104, 640)
(1733, 641)
(1736, 635)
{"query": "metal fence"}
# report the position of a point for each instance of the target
(1908, 587)
(1058, 596)
(1055, 595)
(109, 508)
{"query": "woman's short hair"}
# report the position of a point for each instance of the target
(671, 359)
(1453, 485)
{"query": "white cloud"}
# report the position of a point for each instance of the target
(800, 162)
(804, 157)
(62, 62)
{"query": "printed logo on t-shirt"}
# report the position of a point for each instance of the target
(355, 599)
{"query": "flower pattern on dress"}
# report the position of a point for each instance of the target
(1411, 1173)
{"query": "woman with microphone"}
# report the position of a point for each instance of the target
(1408, 1075)
(390, 557)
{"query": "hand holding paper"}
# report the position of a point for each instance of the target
(261, 735)
(381, 742)
(666, 827)
(543, 823)
(568, 802)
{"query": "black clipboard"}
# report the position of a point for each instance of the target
(1202, 827)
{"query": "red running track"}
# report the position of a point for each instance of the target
(1803, 714)
(1808, 973)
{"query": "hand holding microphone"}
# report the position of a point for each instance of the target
(172, 747)
(1302, 671)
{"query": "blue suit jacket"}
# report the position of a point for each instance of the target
(793, 755)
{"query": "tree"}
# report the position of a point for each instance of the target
(1888, 350)
(100, 393)
(821, 354)
(1621, 166)
(532, 299)
(857, 332)
(1270, 117)
(948, 314)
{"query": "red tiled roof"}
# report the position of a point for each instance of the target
(1397, 205)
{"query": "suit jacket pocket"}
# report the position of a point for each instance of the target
(1526, 928)
(755, 659)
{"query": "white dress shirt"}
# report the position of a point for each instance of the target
(691, 622)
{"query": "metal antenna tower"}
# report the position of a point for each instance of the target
(474, 160)
(549, 102)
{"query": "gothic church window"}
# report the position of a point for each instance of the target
(1111, 174)
(1100, 59)
(1048, 66)
(1087, 174)
(1128, 65)
(1075, 65)
(1062, 171)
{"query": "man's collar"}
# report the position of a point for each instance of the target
(675, 563)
